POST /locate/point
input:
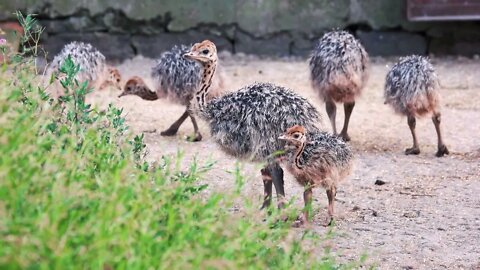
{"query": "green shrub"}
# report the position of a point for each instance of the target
(76, 194)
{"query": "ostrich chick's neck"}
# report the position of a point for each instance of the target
(207, 76)
(298, 155)
(145, 93)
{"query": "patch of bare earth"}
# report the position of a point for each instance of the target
(426, 216)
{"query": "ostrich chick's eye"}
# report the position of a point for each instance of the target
(205, 51)
(295, 136)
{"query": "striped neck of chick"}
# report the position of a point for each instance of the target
(296, 138)
(205, 53)
(299, 153)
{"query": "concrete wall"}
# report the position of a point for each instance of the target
(123, 28)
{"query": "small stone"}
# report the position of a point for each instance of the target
(150, 130)
(379, 182)
(412, 214)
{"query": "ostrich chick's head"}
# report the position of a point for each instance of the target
(136, 86)
(204, 52)
(114, 77)
(294, 136)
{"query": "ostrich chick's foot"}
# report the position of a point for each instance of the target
(169, 132)
(412, 151)
(344, 136)
(194, 138)
(302, 222)
(330, 222)
(442, 150)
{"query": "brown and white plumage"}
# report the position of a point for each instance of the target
(338, 72)
(315, 159)
(411, 88)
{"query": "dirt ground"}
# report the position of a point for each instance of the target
(426, 216)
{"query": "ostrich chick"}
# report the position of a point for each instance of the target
(411, 88)
(175, 78)
(317, 159)
(246, 123)
(338, 72)
(93, 67)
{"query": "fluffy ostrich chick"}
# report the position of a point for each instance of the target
(411, 88)
(93, 66)
(339, 72)
(176, 79)
(316, 159)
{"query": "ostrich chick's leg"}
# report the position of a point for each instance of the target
(172, 130)
(197, 136)
(307, 198)
(348, 112)
(267, 187)
(277, 177)
(442, 149)
(331, 200)
(332, 112)
(415, 150)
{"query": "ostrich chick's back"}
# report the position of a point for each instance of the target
(339, 67)
(411, 87)
(247, 123)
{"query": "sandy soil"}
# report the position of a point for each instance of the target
(426, 216)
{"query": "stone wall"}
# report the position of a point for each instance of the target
(124, 28)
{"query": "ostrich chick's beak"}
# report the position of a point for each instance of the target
(188, 55)
(282, 137)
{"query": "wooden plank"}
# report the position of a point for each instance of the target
(443, 10)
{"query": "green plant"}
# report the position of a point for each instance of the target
(32, 32)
